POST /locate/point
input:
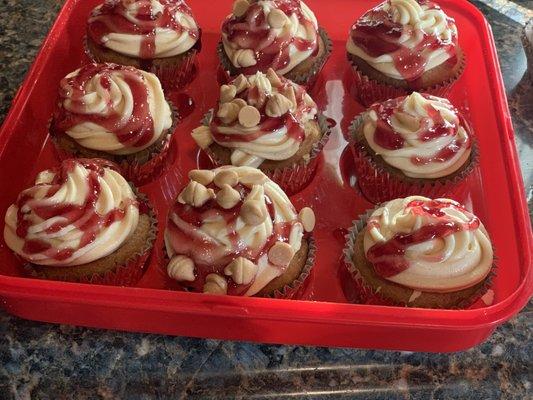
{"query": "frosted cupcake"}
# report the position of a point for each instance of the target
(418, 144)
(159, 36)
(81, 222)
(234, 231)
(117, 113)
(280, 34)
(268, 122)
(420, 252)
(401, 46)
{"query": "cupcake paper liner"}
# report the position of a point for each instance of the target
(358, 291)
(528, 48)
(378, 185)
(368, 91)
(122, 275)
(172, 77)
(306, 79)
(293, 178)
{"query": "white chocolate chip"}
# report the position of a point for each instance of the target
(277, 105)
(227, 197)
(252, 178)
(240, 7)
(249, 116)
(243, 58)
(241, 83)
(307, 218)
(228, 113)
(277, 18)
(203, 176)
(202, 136)
(181, 268)
(215, 284)
(227, 93)
(273, 78)
(239, 102)
(253, 213)
(196, 194)
(241, 270)
(226, 177)
(281, 254)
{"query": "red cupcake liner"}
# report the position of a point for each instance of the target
(368, 91)
(358, 291)
(378, 185)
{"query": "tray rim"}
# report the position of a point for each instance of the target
(269, 309)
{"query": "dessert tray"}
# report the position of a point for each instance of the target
(323, 314)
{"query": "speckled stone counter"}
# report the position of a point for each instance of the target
(45, 361)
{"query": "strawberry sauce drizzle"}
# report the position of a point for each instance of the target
(135, 131)
(252, 31)
(431, 128)
(388, 258)
(197, 247)
(376, 34)
(83, 217)
(111, 18)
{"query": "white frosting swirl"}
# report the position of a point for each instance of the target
(170, 38)
(410, 119)
(417, 20)
(118, 104)
(52, 193)
(444, 264)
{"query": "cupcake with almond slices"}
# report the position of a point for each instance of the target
(267, 122)
(234, 231)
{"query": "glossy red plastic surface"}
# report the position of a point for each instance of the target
(324, 317)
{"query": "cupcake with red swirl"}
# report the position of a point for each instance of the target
(117, 113)
(280, 34)
(234, 231)
(401, 46)
(158, 36)
(418, 144)
(82, 222)
(265, 121)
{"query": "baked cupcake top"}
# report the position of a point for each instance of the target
(428, 245)
(233, 230)
(263, 34)
(74, 214)
(402, 39)
(144, 29)
(421, 135)
(112, 108)
(261, 117)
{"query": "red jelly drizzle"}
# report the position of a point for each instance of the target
(84, 217)
(431, 128)
(135, 131)
(267, 125)
(197, 248)
(252, 31)
(110, 18)
(388, 258)
(376, 34)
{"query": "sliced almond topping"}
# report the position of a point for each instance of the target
(241, 270)
(181, 268)
(277, 18)
(273, 78)
(249, 116)
(227, 197)
(203, 176)
(277, 105)
(202, 136)
(252, 212)
(307, 218)
(215, 284)
(226, 177)
(228, 113)
(241, 83)
(281, 254)
(227, 93)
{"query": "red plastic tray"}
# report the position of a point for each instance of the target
(324, 317)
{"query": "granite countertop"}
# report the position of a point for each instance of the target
(55, 361)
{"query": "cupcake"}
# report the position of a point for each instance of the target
(420, 252)
(81, 222)
(280, 34)
(266, 122)
(401, 46)
(116, 113)
(418, 144)
(234, 231)
(158, 36)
